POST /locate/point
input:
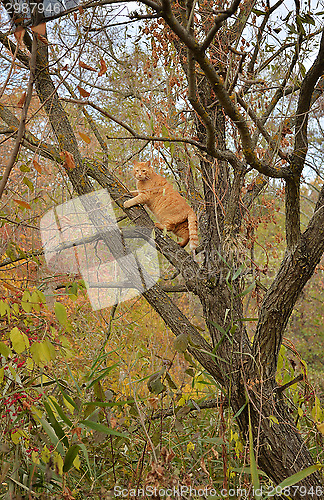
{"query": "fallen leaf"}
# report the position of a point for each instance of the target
(75, 15)
(22, 100)
(10, 287)
(84, 137)
(83, 92)
(81, 10)
(86, 66)
(103, 67)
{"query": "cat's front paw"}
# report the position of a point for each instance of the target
(128, 203)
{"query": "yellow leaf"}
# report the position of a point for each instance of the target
(77, 462)
(46, 454)
(68, 405)
(34, 457)
(58, 462)
(320, 427)
(17, 435)
(190, 447)
(84, 137)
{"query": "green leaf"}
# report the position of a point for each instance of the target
(59, 410)
(248, 289)
(103, 374)
(295, 478)
(55, 424)
(155, 384)
(181, 342)
(102, 428)
(70, 456)
(60, 313)
(4, 308)
(254, 469)
(25, 302)
(5, 350)
(24, 168)
(52, 435)
(28, 183)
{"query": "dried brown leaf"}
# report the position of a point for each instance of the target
(103, 67)
(22, 100)
(19, 35)
(86, 66)
(83, 92)
(40, 29)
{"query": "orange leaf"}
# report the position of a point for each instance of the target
(84, 137)
(22, 203)
(22, 100)
(81, 10)
(42, 38)
(40, 29)
(37, 166)
(19, 35)
(68, 160)
(103, 67)
(10, 287)
(86, 66)
(75, 15)
(83, 92)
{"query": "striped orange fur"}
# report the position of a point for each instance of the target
(169, 207)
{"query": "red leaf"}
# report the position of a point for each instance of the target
(68, 160)
(86, 66)
(37, 166)
(83, 92)
(103, 67)
(22, 203)
(22, 100)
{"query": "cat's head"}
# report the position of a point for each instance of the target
(142, 170)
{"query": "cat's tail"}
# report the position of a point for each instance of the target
(193, 230)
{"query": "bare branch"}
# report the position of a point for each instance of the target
(218, 22)
(22, 124)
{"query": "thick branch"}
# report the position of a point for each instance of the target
(221, 93)
(295, 270)
(219, 20)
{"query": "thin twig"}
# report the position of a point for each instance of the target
(22, 124)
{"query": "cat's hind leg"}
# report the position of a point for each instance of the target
(182, 231)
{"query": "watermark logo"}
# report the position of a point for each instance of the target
(83, 236)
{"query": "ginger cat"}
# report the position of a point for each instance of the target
(172, 211)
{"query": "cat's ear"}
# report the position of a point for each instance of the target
(148, 164)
